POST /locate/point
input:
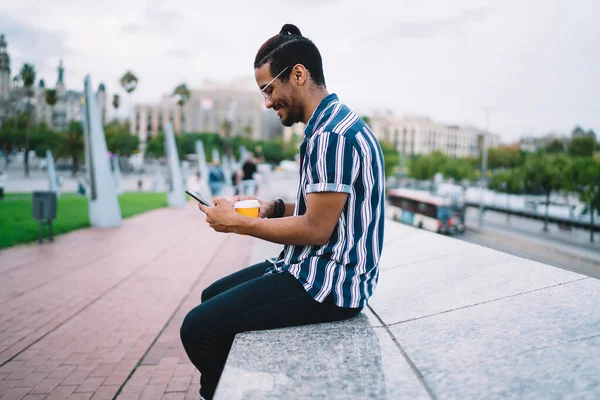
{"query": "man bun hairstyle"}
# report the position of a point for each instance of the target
(289, 48)
(289, 29)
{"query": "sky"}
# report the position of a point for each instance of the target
(533, 64)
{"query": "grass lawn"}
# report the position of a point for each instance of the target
(17, 225)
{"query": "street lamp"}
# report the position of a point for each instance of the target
(483, 183)
(484, 162)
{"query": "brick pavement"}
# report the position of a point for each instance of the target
(96, 314)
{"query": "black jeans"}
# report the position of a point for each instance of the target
(245, 301)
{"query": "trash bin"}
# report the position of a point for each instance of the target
(44, 210)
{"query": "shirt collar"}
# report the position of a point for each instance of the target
(311, 126)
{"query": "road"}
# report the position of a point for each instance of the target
(524, 238)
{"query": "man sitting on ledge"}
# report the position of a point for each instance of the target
(333, 235)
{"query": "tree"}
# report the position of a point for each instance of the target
(577, 132)
(426, 166)
(504, 157)
(42, 138)
(119, 140)
(555, 147)
(458, 169)
(508, 181)
(10, 135)
(129, 83)
(226, 128)
(116, 102)
(546, 174)
(155, 147)
(584, 179)
(51, 97)
(183, 94)
(582, 146)
(248, 131)
(391, 158)
(72, 144)
(27, 74)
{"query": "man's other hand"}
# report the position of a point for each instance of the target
(266, 207)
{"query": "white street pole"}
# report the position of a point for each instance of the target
(484, 162)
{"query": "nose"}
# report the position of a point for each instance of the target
(268, 102)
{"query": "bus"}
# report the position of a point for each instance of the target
(426, 211)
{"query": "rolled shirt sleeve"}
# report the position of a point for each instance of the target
(333, 164)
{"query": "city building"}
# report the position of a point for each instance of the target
(421, 135)
(149, 119)
(233, 108)
(14, 102)
(533, 144)
(238, 102)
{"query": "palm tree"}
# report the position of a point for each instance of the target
(226, 127)
(129, 83)
(184, 94)
(27, 74)
(116, 103)
(17, 84)
(51, 96)
(248, 131)
(73, 144)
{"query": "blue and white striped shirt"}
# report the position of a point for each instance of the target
(340, 154)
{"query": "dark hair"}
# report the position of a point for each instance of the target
(289, 48)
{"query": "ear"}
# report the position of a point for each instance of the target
(299, 75)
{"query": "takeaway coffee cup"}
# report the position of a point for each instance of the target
(249, 208)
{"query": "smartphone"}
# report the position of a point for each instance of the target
(198, 198)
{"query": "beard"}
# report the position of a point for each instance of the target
(292, 112)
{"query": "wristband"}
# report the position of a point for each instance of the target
(278, 209)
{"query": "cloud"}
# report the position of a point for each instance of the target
(131, 28)
(306, 3)
(416, 29)
(156, 19)
(33, 45)
(180, 54)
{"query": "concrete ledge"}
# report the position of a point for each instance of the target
(449, 319)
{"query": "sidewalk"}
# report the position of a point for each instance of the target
(97, 313)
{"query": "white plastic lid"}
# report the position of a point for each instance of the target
(247, 204)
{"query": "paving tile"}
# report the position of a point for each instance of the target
(81, 324)
(46, 386)
(31, 380)
(105, 392)
(153, 391)
(15, 393)
(61, 392)
(36, 397)
(80, 396)
(76, 378)
(174, 396)
(89, 385)
(179, 384)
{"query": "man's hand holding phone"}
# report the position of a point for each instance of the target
(222, 217)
